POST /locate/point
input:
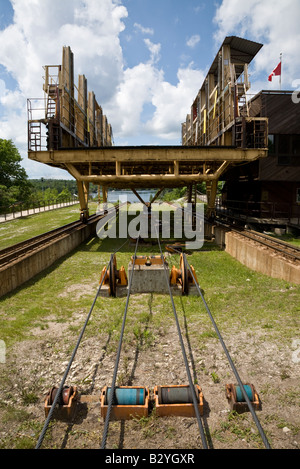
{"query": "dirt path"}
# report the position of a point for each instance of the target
(152, 357)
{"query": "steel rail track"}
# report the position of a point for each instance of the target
(284, 248)
(19, 250)
(273, 243)
(277, 245)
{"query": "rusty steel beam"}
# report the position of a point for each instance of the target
(146, 154)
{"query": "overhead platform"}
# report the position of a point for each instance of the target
(145, 166)
(68, 130)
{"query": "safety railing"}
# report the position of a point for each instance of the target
(288, 213)
(30, 208)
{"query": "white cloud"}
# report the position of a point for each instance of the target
(143, 30)
(273, 23)
(154, 50)
(92, 30)
(193, 41)
(172, 103)
(36, 38)
(137, 88)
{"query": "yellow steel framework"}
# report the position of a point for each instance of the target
(146, 167)
(79, 139)
(219, 114)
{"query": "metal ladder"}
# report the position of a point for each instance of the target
(34, 136)
(52, 93)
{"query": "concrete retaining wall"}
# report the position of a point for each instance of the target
(257, 257)
(14, 275)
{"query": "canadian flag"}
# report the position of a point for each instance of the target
(276, 71)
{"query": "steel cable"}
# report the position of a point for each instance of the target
(113, 385)
(202, 434)
(259, 427)
(58, 394)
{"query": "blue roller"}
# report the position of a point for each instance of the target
(240, 395)
(127, 396)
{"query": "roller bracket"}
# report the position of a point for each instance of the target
(179, 401)
(114, 279)
(183, 276)
(66, 404)
(236, 399)
(125, 409)
(149, 277)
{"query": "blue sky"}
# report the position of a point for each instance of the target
(171, 24)
(144, 59)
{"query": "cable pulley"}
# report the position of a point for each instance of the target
(239, 394)
(64, 396)
(176, 394)
(65, 401)
(112, 273)
(184, 275)
(127, 396)
(112, 277)
(237, 397)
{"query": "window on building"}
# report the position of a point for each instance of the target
(271, 144)
(283, 144)
(296, 145)
(284, 149)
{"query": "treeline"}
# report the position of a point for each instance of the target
(17, 191)
(48, 191)
(57, 189)
(178, 192)
(14, 185)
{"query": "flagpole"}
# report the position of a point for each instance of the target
(280, 70)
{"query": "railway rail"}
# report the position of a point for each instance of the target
(278, 246)
(16, 252)
(113, 388)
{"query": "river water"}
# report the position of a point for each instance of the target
(129, 196)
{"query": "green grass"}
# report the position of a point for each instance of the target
(20, 229)
(289, 238)
(235, 295)
(238, 298)
(238, 426)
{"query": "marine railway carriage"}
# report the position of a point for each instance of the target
(71, 132)
(144, 167)
(127, 402)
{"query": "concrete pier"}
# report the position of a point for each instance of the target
(16, 274)
(257, 257)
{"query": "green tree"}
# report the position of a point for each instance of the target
(64, 195)
(14, 185)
